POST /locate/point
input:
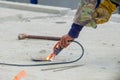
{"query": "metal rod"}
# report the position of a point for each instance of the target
(24, 36)
(61, 68)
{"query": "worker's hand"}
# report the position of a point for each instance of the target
(103, 13)
(65, 41)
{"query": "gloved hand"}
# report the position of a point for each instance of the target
(65, 41)
(101, 15)
(103, 12)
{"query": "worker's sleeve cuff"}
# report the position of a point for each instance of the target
(75, 30)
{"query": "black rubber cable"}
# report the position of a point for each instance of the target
(45, 64)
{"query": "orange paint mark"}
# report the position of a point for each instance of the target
(20, 75)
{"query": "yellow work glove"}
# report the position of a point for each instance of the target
(104, 12)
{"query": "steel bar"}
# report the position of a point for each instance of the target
(24, 36)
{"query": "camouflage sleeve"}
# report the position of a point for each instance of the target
(84, 12)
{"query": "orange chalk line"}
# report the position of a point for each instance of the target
(20, 75)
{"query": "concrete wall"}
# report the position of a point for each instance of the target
(60, 3)
(37, 8)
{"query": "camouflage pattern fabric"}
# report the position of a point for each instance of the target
(84, 12)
